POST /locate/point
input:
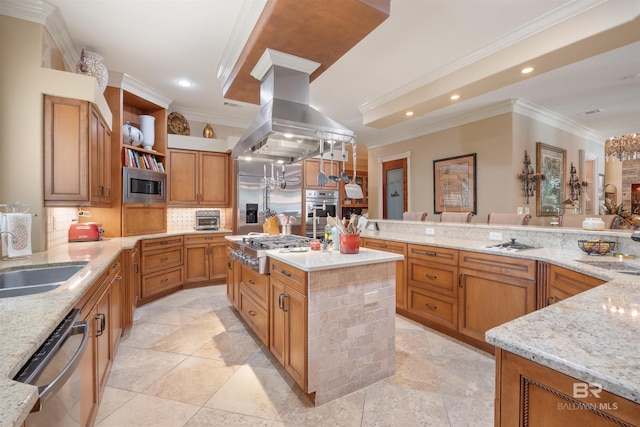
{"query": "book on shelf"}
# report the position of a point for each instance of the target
(135, 159)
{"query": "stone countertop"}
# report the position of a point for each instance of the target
(311, 261)
(26, 321)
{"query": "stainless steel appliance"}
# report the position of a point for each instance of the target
(55, 370)
(252, 250)
(143, 186)
(265, 188)
(286, 128)
(207, 219)
(319, 204)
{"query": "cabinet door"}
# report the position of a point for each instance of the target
(66, 150)
(214, 179)
(401, 266)
(232, 283)
(196, 263)
(311, 169)
(183, 177)
(217, 258)
(277, 343)
(140, 219)
(565, 283)
(295, 306)
(100, 160)
(486, 300)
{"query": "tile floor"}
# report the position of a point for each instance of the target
(189, 361)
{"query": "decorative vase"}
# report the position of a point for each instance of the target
(91, 64)
(208, 131)
(131, 135)
(147, 126)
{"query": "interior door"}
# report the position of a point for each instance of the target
(394, 188)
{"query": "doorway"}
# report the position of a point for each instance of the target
(394, 188)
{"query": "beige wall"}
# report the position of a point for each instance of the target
(23, 81)
(499, 143)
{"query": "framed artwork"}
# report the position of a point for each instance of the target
(552, 162)
(454, 184)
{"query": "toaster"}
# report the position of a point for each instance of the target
(85, 232)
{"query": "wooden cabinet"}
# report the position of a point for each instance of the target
(100, 309)
(401, 266)
(198, 178)
(529, 394)
(288, 316)
(432, 285)
(233, 278)
(162, 264)
(139, 219)
(563, 283)
(362, 179)
(131, 283)
(77, 154)
(493, 290)
(253, 303)
(205, 258)
(311, 169)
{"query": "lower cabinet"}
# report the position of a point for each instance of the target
(288, 315)
(253, 303)
(529, 394)
(101, 309)
(161, 265)
(205, 259)
(401, 266)
(563, 283)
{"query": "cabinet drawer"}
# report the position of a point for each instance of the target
(159, 260)
(435, 254)
(385, 245)
(199, 239)
(156, 283)
(163, 243)
(291, 276)
(255, 316)
(505, 265)
(433, 276)
(433, 306)
(256, 284)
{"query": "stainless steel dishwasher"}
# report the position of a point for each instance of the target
(54, 369)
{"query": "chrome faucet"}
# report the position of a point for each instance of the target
(13, 238)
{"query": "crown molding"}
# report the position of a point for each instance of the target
(27, 10)
(249, 13)
(136, 87)
(534, 27)
(214, 118)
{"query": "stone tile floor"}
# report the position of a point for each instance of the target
(190, 361)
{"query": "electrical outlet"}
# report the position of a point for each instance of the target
(495, 236)
(370, 297)
(430, 231)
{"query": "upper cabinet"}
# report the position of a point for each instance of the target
(198, 178)
(311, 169)
(77, 154)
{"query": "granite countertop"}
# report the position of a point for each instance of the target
(311, 261)
(26, 321)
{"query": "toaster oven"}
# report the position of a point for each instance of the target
(207, 219)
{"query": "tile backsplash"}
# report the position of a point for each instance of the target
(179, 219)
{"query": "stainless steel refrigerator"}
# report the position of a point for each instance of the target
(265, 188)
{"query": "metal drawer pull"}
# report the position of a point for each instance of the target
(431, 253)
(164, 242)
(116, 265)
(285, 273)
(164, 280)
(431, 306)
(383, 246)
(284, 297)
(103, 322)
(281, 301)
(251, 281)
(164, 259)
(429, 276)
(251, 313)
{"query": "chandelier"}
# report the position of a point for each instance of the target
(624, 147)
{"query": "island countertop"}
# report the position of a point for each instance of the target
(310, 261)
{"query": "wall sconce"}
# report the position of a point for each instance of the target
(529, 178)
(575, 184)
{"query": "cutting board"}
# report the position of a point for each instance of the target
(270, 226)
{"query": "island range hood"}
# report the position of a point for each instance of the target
(287, 129)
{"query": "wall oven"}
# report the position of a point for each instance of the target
(143, 186)
(323, 203)
(55, 370)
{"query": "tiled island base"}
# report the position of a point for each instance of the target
(351, 336)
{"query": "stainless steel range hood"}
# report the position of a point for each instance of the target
(287, 129)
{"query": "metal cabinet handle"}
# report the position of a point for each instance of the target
(284, 298)
(164, 280)
(102, 325)
(135, 268)
(430, 276)
(431, 306)
(229, 265)
(383, 246)
(551, 300)
(460, 280)
(251, 313)
(117, 264)
(118, 277)
(164, 242)
(286, 273)
(251, 281)
(281, 301)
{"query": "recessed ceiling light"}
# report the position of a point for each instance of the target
(185, 83)
(409, 113)
(454, 97)
(527, 70)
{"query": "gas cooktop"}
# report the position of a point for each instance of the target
(276, 242)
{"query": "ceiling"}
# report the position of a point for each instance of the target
(413, 58)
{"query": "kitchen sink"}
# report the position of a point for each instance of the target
(617, 266)
(29, 281)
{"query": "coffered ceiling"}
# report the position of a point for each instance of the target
(585, 54)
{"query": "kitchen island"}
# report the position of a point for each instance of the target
(331, 317)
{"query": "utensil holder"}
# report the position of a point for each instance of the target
(349, 243)
(286, 229)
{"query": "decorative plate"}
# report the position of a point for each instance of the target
(178, 124)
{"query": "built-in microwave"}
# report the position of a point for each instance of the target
(143, 186)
